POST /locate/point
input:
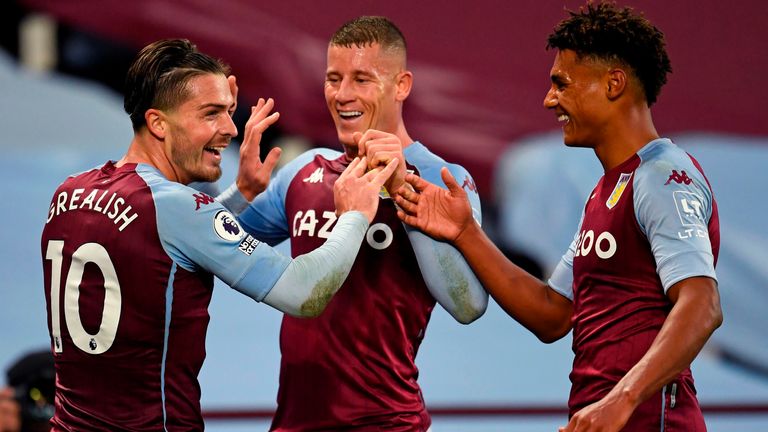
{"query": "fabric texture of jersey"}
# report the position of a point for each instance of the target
(353, 367)
(128, 258)
(649, 223)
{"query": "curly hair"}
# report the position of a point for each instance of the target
(159, 75)
(606, 32)
(367, 30)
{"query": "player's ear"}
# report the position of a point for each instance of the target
(616, 83)
(403, 84)
(156, 124)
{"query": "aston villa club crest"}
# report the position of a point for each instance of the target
(618, 190)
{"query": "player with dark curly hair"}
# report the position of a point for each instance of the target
(638, 284)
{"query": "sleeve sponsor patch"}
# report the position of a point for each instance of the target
(689, 209)
(248, 245)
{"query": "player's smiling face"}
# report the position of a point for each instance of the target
(361, 90)
(200, 128)
(577, 97)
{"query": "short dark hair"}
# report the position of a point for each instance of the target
(159, 75)
(367, 30)
(606, 32)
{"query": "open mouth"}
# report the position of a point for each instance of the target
(215, 150)
(563, 118)
(350, 115)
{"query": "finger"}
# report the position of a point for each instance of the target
(356, 138)
(408, 194)
(386, 173)
(352, 165)
(270, 162)
(449, 181)
(407, 205)
(359, 169)
(417, 182)
(265, 123)
(410, 220)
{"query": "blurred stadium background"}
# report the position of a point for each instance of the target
(481, 72)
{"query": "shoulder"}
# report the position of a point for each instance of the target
(290, 169)
(429, 164)
(665, 166)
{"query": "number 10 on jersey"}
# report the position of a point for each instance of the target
(87, 253)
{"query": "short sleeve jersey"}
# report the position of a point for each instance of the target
(128, 260)
(354, 365)
(649, 223)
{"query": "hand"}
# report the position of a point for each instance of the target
(358, 190)
(10, 412)
(443, 214)
(609, 414)
(253, 175)
(379, 148)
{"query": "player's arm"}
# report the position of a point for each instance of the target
(210, 238)
(694, 317)
(446, 273)
(447, 215)
(309, 281)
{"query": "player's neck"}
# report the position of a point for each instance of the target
(631, 132)
(145, 149)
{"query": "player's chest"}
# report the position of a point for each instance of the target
(609, 229)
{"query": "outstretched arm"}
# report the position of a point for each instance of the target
(695, 315)
(446, 215)
(309, 282)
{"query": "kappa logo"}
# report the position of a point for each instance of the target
(315, 177)
(678, 178)
(469, 183)
(202, 199)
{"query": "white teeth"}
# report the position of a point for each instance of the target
(350, 113)
(563, 118)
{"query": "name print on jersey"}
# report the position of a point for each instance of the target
(379, 235)
(114, 208)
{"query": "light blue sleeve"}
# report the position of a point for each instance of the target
(265, 217)
(448, 277)
(562, 277)
(673, 205)
(197, 232)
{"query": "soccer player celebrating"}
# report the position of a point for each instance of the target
(354, 366)
(129, 252)
(637, 285)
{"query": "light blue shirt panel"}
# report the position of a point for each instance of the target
(191, 239)
(429, 165)
(265, 218)
(562, 277)
(673, 215)
(442, 266)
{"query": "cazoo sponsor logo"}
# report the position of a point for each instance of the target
(604, 244)
(307, 223)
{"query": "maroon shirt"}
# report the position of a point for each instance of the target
(645, 227)
(139, 371)
(354, 365)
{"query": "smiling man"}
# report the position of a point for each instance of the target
(353, 368)
(638, 284)
(129, 252)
